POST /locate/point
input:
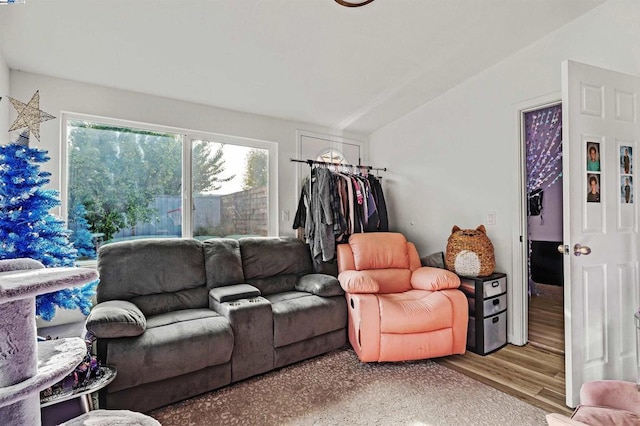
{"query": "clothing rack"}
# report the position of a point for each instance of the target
(324, 163)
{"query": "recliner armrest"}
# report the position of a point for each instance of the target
(429, 278)
(116, 318)
(358, 282)
(320, 285)
(233, 292)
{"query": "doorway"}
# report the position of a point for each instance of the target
(542, 138)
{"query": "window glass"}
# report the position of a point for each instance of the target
(230, 190)
(123, 182)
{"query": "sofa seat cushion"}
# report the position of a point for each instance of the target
(298, 316)
(173, 344)
(414, 311)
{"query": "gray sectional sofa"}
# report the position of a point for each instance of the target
(180, 317)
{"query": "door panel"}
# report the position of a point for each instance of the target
(601, 288)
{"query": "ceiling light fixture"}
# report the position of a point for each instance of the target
(353, 3)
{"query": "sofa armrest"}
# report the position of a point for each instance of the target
(358, 282)
(320, 285)
(228, 293)
(555, 419)
(116, 318)
(429, 278)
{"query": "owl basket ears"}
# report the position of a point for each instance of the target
(470, 252)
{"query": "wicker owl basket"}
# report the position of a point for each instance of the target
(470, 252)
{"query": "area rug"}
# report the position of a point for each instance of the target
(337, 389)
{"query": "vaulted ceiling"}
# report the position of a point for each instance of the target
(307, 60)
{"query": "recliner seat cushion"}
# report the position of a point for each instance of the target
(298, 316)
(414, 311)
(173, 344)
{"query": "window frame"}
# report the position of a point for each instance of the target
(187, 145)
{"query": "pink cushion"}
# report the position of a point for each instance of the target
(605, 416)
(358, 282)
(427, 278)
(414, 311)
(391, 280)
(379, 250)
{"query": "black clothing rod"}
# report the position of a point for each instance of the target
(312, 162)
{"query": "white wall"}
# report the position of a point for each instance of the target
(4, 103)
(455, 158)
(57, 96)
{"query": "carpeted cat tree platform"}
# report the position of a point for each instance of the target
(28, 366)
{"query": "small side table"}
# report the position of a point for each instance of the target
(65, 405)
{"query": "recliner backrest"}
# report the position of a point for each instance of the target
(158, 274)
(223, 263)
(386, 256)
(273, 264)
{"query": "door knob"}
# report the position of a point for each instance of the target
(578, 250)
(563, 249)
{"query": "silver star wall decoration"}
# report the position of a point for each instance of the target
(29, 115)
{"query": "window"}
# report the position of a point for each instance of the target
(127, 181)
(227, 203)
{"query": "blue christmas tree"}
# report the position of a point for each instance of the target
(82, 239)
(27, 229)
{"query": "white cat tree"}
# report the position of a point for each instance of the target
(26, 366)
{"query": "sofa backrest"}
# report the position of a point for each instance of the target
(274, 264)
(158, 274)
(222, 261)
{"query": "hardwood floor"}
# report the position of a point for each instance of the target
(533, 373)
(546, 318)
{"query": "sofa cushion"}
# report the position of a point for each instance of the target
(154, 304)
(149, 266)
(116, 318)
(267, 257)
(275, 284)
(173, 344)
(223, 264)
(299, 316)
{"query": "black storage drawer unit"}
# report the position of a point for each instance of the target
(487, 298)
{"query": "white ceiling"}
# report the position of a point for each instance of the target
(307, 60)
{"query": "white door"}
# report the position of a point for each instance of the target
(601, 294)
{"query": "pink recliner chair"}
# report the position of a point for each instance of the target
(603, 402)
(399, 310)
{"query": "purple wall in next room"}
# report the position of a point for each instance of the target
(550, 227)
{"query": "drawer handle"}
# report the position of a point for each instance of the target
(495, 320)
(495, 284)
(496, 301)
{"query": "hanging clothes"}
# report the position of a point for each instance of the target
(335, 204)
